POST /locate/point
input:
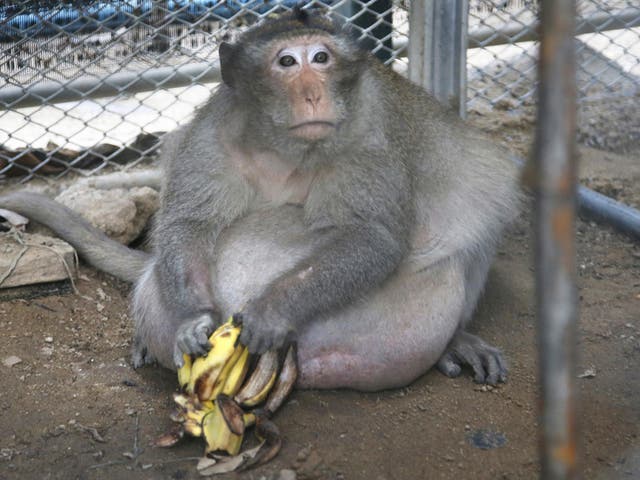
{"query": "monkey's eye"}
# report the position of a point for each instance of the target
(321, 57)
(287, 61)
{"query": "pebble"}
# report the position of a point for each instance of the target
(11, 360)
(303, 454)
(287, 475)
(46, 351)
(48, 339)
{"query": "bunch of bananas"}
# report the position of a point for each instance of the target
(215, 401)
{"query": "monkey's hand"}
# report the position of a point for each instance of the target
(192, 337)
(264, 327)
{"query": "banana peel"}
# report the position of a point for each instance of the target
(218, 402)
(259, 384)
(206, 370)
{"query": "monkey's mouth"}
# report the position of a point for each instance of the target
(313, 130)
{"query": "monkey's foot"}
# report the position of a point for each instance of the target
(140, 355)
(465, 349)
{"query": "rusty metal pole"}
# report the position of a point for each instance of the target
(555, 171)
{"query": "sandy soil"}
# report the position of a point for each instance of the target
(73, 408)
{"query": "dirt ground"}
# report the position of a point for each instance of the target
(73, 408)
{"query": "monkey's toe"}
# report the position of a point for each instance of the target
(487, 362)
(140, 355)
(448, 366)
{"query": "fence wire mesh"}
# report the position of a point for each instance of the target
(87, 85)
(503, 49)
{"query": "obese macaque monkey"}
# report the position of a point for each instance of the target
(327, 200)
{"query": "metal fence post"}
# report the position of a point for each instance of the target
(438, 49)
(555, 170)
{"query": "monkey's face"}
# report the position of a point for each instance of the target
(300, 74)
(296, 86)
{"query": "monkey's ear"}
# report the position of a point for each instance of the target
(228, 53)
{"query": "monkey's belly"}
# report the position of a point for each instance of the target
(257, 249)
(387, 338)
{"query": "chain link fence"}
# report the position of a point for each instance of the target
(503, 49)
(87, 85)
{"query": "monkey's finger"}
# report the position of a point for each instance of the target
(187, 343)
(245, 337)
(258, 345)
(178, 359)
(201, 334)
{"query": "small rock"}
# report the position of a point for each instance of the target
(287, 475)
(588, 373)
(48, 339)
(11, 360)
(303, 454)
(486, 439)
(99, 307)
(120, 213)
(7, 454)
(46, 351)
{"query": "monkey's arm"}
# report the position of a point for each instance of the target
(367, 222)
(197, 204)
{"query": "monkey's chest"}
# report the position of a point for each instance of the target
(275, 181)
(293, 189)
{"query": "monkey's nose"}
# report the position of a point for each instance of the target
(313, 98)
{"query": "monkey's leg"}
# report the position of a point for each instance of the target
(159, 328)
(389, 338)
(486, 361)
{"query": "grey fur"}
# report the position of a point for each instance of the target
(374, 271)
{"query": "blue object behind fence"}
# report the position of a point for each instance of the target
(31, 21)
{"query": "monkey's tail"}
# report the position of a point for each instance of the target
(92, 245)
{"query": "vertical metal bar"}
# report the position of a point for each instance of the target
(438, 49)
(555, 170)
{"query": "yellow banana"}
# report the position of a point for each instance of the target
(233, 373)
(218, 435)
(214, 392)
(205, 370)
(256, 389)
(236, 376)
